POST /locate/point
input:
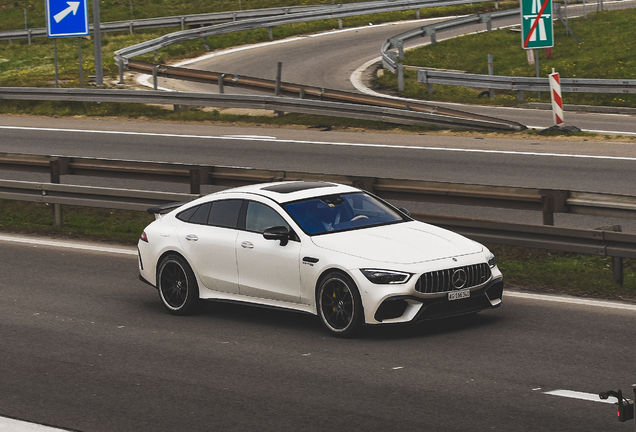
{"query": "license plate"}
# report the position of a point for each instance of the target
(456, 295)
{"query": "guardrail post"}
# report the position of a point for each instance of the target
(400, 74)
(400, 46)
(417, 14)
(154, 76)
(195, 181)
(206, 43)
(131, 28)
(279, 71)
(340, 23)
(57, 167)
(182, 19)
(433, 36)
(547, 208)
(429, 86)
(491, 71)
(222, 84)
(29, 37)
(520, 96)
(301, 93)
(120, 63)
(271, 35)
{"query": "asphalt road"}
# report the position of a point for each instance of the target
(85, 346)
(331, 59)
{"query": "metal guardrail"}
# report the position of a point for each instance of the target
(390, 60)
(594, 242)
(329, 12)
(274, 103)
(442, 116)
(544, 200)
(568, 85)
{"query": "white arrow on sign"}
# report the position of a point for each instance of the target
(72, 7)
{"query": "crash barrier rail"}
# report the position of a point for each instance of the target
(173, 21)
(546, 201)
(437, 115)
(328, 12)
(605, 242)
(391, 61)
(274, 103)
(521, 84)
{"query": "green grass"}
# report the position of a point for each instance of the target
(533, 269)
(608, 41)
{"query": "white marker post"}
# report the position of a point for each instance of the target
(557, 100)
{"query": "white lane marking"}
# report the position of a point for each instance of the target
(580, 395)
(570, 300)
(327, 143)
(252, 137)
(12, 425)
(69, 245)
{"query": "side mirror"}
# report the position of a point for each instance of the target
(277, 233)
(405, 211)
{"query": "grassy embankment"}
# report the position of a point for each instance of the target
(608, 41)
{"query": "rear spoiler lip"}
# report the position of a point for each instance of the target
(165, 208)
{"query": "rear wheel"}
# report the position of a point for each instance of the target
(177, 286)
(339, 305)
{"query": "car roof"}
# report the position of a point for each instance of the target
(287, 191)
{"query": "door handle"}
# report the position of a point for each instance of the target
(191, 237)
(247, 245)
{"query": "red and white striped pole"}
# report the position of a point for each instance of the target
(557, 101)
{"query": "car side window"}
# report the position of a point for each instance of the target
(200, 216)
(260, 217)
(225, 213)
(187, 214)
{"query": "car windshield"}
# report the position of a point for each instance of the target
(341, 212)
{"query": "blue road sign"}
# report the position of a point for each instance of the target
(66, 18)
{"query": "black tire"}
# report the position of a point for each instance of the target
(177, 286)
(339, 305)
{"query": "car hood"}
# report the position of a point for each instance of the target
(403, 243)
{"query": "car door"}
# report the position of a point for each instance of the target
(209, 240)
(267, 269)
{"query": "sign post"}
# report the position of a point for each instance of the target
(65, 19)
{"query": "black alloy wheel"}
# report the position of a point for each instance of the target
(339, 305)
(177, 286)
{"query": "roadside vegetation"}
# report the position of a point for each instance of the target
(533, 269)
(608, 41)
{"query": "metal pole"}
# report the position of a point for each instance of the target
(154, 77)
(584, 9)
(565, 6)
(55, 59)
(81, 67)
(491, 71)
(536, 61)
(400, 74)
(221, 84)
(99, 68)
(279, 73)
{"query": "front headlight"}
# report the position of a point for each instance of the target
(492, 261)
(382, 277)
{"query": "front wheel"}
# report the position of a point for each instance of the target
(339, 305)
(177, 286)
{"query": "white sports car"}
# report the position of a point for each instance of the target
(327, 249)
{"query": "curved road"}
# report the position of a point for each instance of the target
(330, 59)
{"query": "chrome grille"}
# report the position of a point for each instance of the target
(440, 281)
